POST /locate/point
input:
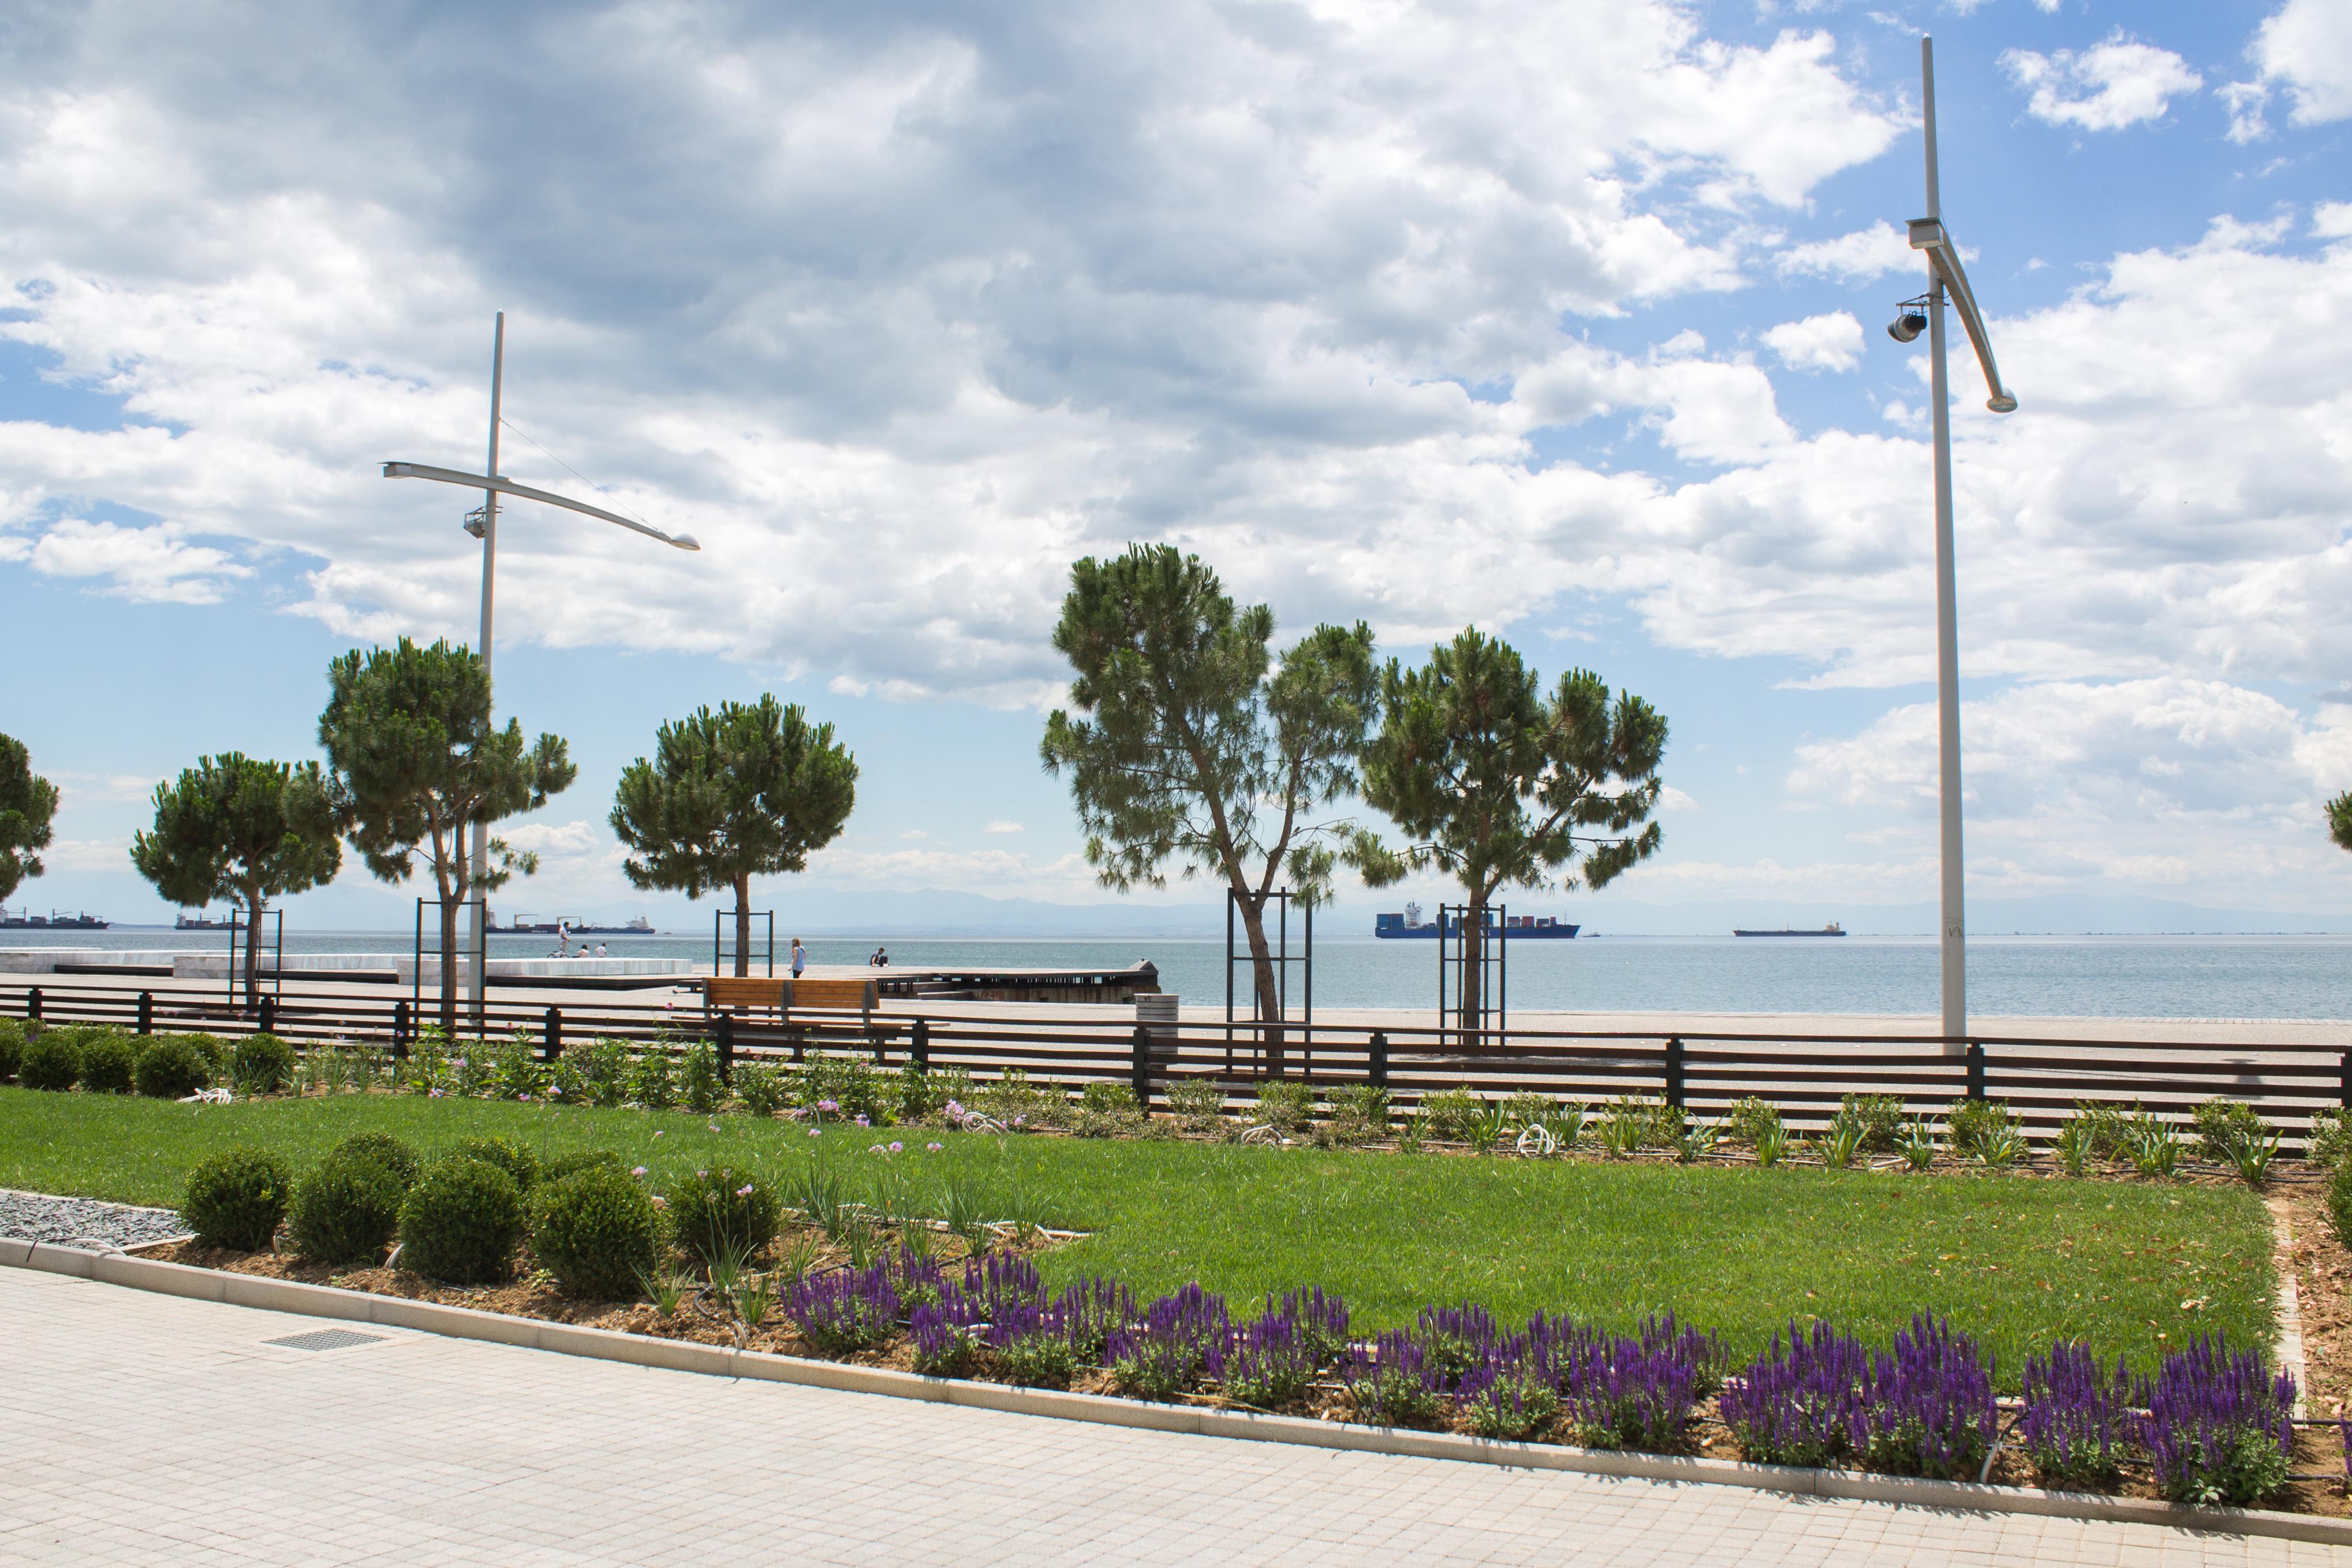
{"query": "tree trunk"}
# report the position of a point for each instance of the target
(255, 906)
(1473, 951)
(449, 936)
(1269, 994)
(742, 924)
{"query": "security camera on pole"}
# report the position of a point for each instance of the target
(1945, 277)
(483, 524)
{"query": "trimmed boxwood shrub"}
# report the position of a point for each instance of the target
(577, 1160)
(261, 1063)
(597, 1232)
(107, 1058)
(12, 1048)
(723, 1210)
(171, 1069)
(461, 1223)
(346, 1211)
(387, 1150)
(520, 1160)
(51, 1062)
(237, 1198)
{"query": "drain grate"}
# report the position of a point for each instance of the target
(326, 1340)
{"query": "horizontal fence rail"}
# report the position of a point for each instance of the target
(1806, 1076)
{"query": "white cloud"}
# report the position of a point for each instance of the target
(1818, 342)
(2108, 87)
(1856, 258)
(914, 833)
(1003, 828)
(2306, 44)
(151, 565)
(2154, 785)
(114, 788)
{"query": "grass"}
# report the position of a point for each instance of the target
(2133, 1267)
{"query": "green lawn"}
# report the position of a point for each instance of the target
(2131, 1268)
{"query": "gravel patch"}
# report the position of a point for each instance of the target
(84, 1221)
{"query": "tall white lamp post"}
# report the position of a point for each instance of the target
(1946, 280)
(492, 485)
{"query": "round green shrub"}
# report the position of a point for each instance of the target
(597, 1232)
(387, 1150)
(345, 1211)
(107, 1058)
(721, 1211)
(237, 1198)
(12, 1048)
(577, 1160)
(516, 1160)
(171, 1069)
(212, 1047)
(461, 1223)
(52, 1060)
(261, 1063)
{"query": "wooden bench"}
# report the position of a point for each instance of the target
(781, 997)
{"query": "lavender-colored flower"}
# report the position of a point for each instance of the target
(1390, 1382)
(1453, 1338)
(744, 1191)
(998, 1280)
(897, 1147)
(934, 1148)
(1322, 1321)
(1501, 1395)
(1800, 1403)
(1929, 1404)
(636, 1170)
(432, 1093)
(2218, 1427)
(817, 1132)
(658, 1132)
(1619, 1390)
(1179, 1340)
(1032, 1342)
(713, 1126)
(942, 1345)
(2077, 1415)
(827, 1106)
(863, 1122)
(845, 1311)
(1091, 1308)
(1270, 1363)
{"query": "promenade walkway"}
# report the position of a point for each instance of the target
(143, 1428)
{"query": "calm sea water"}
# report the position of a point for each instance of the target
(2129, 976)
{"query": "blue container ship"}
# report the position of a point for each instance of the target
(1514, 928)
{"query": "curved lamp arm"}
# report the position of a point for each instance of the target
(508, 486)
(1928, 234)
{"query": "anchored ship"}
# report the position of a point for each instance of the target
(24, 919)
(1511, 927)
(203, 921)
(1832, 929)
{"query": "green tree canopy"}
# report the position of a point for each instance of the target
(1501, 785)
(237, 827)
(750, 791)
(2339, 822)
(415, 763)
(29, 802)
(1185, 748)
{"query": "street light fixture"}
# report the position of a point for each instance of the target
(483, 524)
(1946, 280)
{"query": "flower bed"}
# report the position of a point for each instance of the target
(2206, 1423)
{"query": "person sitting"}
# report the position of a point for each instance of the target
(599, 951)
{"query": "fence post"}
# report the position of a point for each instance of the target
(1379, 1074)
(268, 1022)
(400, 1030)
(1976, 1059)
(552, 1047)
(33, 1005)
(1142, 1070)
(2345, 1068)
(918, 1050)
(146, 1012)
(1675, 1096)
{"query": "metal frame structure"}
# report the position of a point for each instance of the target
(718, 917)
(1493, 963)
(241, 920)
(484, 525)
(481, 952)
(1281, 899)
(1948, 283)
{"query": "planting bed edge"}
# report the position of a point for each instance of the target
(678, 1355)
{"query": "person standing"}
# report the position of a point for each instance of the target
(800, 958)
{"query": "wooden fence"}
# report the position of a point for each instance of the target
(1804, 1075)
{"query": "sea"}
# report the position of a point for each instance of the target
(2307, 977)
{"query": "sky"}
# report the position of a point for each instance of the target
(1562, 320)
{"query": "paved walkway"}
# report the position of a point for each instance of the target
(142, 1428)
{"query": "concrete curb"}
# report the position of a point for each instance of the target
(678, 1355)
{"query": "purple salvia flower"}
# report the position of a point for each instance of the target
(846, 1310)
(1392, 1381)
(1800, 1403)
(2077, 1415)
(1929, 1404)
(1181, 1339)
(2219, 1426)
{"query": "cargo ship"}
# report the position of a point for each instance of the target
(1832, 929)
(1511, 927)
(567, 925)
(203, 921)
(23, 919)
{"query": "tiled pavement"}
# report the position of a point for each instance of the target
(143, 1428)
